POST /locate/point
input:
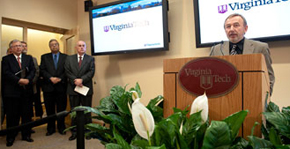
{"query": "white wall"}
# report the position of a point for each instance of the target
(56, 13)
(145, 68)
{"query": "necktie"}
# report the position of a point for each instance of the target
(80, 61)
(55, 61)
(234, 51)
(18, 60)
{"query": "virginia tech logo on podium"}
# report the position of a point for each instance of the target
(212, 75)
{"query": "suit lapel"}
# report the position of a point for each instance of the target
(14, 61)
(225, 47)
(60, 60)
(85, 60)
(75, 61)
(23, 61)
(248, 47)
(50, 60)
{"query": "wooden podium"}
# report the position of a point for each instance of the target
(249, 94)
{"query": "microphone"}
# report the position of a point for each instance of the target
(222, 42)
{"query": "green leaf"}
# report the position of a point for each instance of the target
(165, 131)
(265, 132)
(120, 139)
(117, 91)
(107, 105)
(279, 121)
(235, 122)
(156, 111)
(184, 112)
(138, 89)
(283, 147)
(258, 143)
(140, 143)
(272, 107)
(157, 137)
(240, 143)
(100, 132)
(191, 127)
(113, 146)
(121, 101)
(124, 124)
(286, 110)
(155, 147)
(200, 136)
(176, 119)
(181, 142)
(217, 135)
(274, 137)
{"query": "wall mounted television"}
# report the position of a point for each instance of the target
(267, 19)
(129, 26)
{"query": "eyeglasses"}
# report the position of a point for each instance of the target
(17, 46)
(53, 44)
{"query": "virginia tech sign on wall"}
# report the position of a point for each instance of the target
(212, 75)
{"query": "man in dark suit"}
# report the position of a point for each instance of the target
(80, 69)
(18, 71)
(236, 27)
(54, 85)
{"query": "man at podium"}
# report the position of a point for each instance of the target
(236, 27)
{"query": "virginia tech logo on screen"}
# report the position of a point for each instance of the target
(247, 5)
(214, 76)
(123, 26)
(222, 8)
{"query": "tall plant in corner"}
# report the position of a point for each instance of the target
(277, 128)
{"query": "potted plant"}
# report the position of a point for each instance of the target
(131, 125)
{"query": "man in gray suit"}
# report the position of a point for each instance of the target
(236, 27)
(80, 69)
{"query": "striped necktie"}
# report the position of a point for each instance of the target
(19, 62)
(234, 51)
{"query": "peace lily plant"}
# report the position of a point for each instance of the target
(131, 125)
(142, 118)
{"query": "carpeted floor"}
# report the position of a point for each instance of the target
(55, 141)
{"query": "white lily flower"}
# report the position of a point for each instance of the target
(134, 95)
(142, 119)
(200, 103)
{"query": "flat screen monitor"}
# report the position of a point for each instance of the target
(129, 26)
(268, 20)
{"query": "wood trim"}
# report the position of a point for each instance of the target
(169, 93)
(30, 25)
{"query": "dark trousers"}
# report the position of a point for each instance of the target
(3, 112)
(80, 100)
(55, 102)
(37, 102)
(17, 108)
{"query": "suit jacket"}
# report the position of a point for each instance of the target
(47, 70)
(12, 74)
(85, 72)
(250, 47)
